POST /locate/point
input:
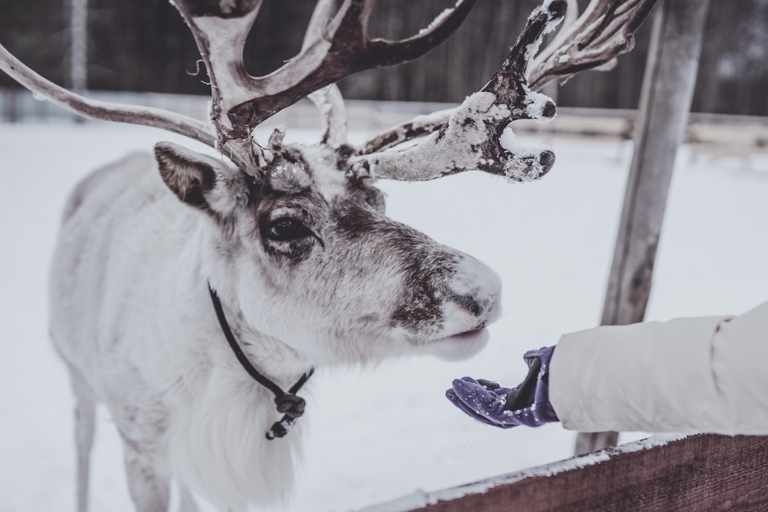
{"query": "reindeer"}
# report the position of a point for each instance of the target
(193, 296)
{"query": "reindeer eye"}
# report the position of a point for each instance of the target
(286, 229)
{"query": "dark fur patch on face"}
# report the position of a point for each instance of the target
(419, 307)
(423, 264)
(355, 222)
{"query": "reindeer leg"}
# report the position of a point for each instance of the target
(149, 491)
(85, 424)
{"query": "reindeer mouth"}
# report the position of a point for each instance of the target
(460, 346)
(470, 335)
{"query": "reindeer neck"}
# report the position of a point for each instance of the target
(270, 356)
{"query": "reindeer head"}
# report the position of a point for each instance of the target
(305, 225)
(311, 259)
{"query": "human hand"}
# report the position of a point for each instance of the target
(527, 404)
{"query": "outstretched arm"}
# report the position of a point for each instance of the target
(691, 374)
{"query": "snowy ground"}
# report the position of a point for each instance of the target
(378, 434)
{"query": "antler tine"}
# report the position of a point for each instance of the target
(605, 31)
(590, 14)
(390, 53)
(329, 101)
(417, 127)
(571, 23)
(220, 30)
(146, 116)
(241, 102)
(472, 136)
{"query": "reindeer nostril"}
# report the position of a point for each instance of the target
(468, 303)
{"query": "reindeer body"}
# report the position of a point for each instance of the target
(132, 317)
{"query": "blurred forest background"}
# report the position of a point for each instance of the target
(143, 45)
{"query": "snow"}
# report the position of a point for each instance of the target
(521, 154)
(377, 434)
(433, 119)
(533, 48)
(535, 104)
(440, 18)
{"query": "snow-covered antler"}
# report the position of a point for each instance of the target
(469, 137)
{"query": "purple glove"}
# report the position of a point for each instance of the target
(527, 404)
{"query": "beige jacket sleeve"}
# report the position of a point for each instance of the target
(686, 375)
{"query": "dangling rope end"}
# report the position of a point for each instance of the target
(281, 428)
(293, 408)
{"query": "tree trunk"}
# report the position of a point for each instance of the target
(670, 77)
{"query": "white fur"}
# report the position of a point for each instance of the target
(131, 316)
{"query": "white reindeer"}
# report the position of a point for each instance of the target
(189, 294)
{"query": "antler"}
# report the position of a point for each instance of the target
(329, 101)
(472, 136)
(603, 32)
(469, 137)
(146, 116)
(241, 102)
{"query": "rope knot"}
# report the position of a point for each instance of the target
(290, 405)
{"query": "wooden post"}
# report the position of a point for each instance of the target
(670, 77)
(11, 100)
(78, 33)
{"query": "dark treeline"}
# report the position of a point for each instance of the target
(143, 45)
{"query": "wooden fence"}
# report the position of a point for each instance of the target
(697, 473)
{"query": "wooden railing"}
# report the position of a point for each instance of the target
(697, 473)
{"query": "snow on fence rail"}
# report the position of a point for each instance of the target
(658, 474)
(737, 135)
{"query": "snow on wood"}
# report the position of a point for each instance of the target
(661, 473)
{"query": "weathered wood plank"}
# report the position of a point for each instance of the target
(698, 473)
(665, 103)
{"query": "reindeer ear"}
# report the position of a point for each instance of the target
(190, 175)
